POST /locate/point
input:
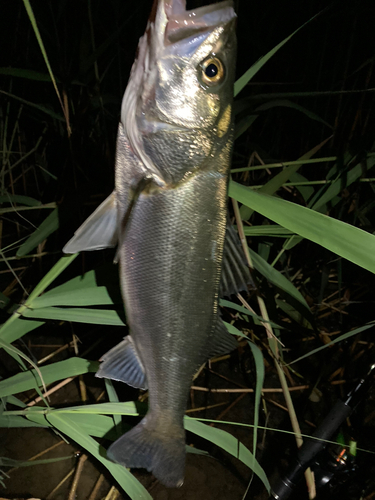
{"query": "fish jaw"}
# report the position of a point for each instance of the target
(166, 95)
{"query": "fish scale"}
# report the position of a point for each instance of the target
(168, 216)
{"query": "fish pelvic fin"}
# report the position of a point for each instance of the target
(123, 364)
(98, 231)
(235, 274)
(156, 445)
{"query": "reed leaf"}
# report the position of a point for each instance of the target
(342, 239)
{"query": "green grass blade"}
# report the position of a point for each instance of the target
(246, 77)
(81, 291)
(337, 186)
(113, 398)
(281, 178)
(243, 310)
(93, 296)
(19, 198)
(291, 105)
(259, 368)
(99, 426)
(126, 480)
(14, 401)
(17, 328)
(77, 314)
(28, 74)
(272, 230)
(228, 443)
(39, 107)
(47, 227)
(14, 421)
(340, 238)
(335, 341)
(278, 279)
(57, 269)
(128, 408)
(57, 371)
(30, 13)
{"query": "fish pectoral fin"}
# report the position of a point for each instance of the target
(98, 231)
(156, 445)
(222, 341)
(140, 186)
(235, 275)
(122, 363)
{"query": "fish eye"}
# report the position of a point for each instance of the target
(212, 71)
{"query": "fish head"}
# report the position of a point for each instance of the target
(177, 109)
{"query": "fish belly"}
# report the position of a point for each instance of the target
(170, 275)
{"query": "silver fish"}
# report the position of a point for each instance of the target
(168, 216)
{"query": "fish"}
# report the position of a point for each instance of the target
(168, 217)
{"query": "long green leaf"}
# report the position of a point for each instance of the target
(30, 13)
(228, 443)
(347, 241)
(292, 105)
(335, 341)
(273, 230)
(51, 373)
(77, 314)
(11, 421)
(243, 310)
(246, 77)
(128, 408)
(28, 74)
(11, 331)
(113, 398)
(259, 368)
(47, 227)
(19, 198)
(99, 426)
(83, 291)
(126, 480)
(39, 107)
(284, 175)
(278, 279)
(56, 270)
(337, 186)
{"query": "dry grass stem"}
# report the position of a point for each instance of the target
(51, 391)
(56, 488)
(73, 489)
(96, 488)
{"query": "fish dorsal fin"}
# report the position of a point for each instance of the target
(98, 231)
(222, 341)
(235, 274)
(122, 363)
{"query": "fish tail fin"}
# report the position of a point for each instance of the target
(156, 446)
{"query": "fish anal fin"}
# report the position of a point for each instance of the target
(122, 363)
(154, 445)
(98, 231)
(222, 341)
(235, 274)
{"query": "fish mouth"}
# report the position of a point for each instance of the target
(182, 23)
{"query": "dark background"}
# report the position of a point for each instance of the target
(327, 69)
